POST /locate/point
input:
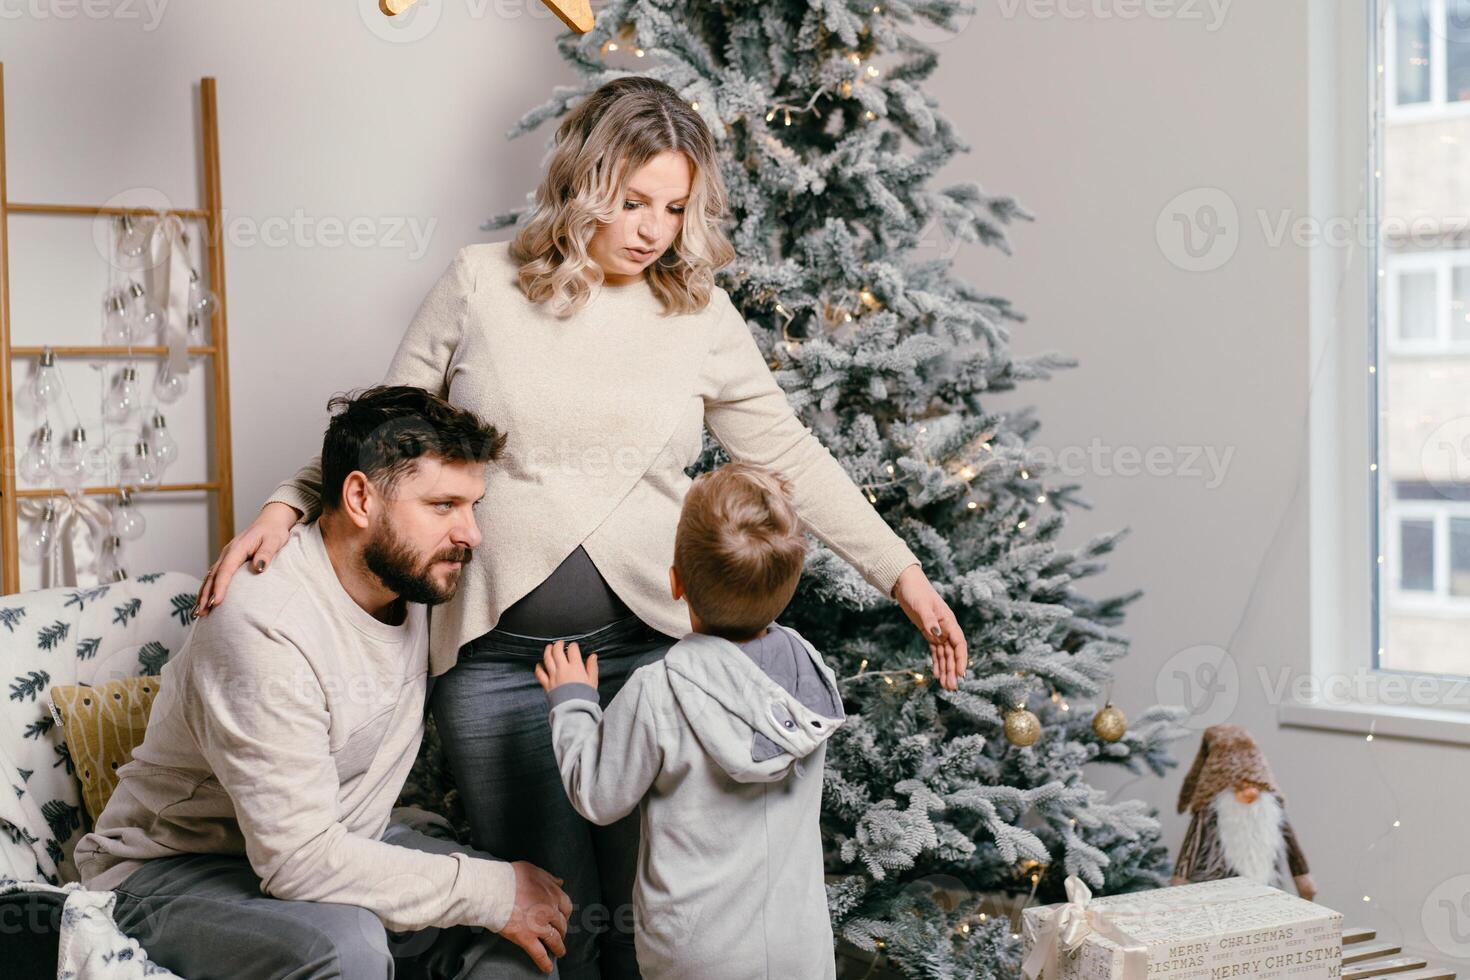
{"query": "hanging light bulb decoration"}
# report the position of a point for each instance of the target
(110, 559)
(140, 468)
(69, 463)
(196, 328)
(132, 236)
(1022, 727)
(35, 463)
(127, 522)
(1109, 724)
(122, 399)
(168, 386)
(201, 300)
(40, 536)
(45, 385)
(165, 448)
(148, 316)
(117, 324)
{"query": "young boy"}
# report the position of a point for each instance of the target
(720, 746)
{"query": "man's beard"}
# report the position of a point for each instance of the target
(397, 565)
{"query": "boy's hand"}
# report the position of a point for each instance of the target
(562, 664)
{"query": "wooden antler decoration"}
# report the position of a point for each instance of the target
(576, 14)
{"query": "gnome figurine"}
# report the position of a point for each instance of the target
(1238, 822)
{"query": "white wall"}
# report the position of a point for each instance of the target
(1096, 122)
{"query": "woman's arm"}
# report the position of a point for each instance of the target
(751, 417)
(422, 360)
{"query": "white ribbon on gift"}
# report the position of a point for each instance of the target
(1065, 927)
(75, 513)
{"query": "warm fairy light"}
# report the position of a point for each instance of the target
(846, 317)
(873, 71)
(1041, 499)
(788, 117)
(638, 52)
(870, 115)
(780, 308)
(1372, 467)
(888, 679)
(770, 115)
(1025, 475)
(919, 678)
(694, 106)
(612, 45)
(855, 58)
(872, 499)
(863, 665)
(967, 473)
(890, 469)
(1020, 525)
(972, 505)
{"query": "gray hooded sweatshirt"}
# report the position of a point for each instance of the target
(720, 747)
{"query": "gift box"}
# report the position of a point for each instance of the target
(1213, 930)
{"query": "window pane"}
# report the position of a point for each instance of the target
(1416, 555)
(1416, 313)
(1457, 50)
(1460, 305)
(1411, 54)
(1460, 556)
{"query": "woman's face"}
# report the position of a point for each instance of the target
(648, 219)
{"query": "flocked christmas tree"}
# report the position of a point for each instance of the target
(932, 816)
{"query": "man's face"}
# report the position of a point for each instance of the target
(424, 533)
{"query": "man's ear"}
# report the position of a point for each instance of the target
(359, 497)
(676, 588)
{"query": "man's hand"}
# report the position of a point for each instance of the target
(538, 923)
(927, 610)
(562, 664)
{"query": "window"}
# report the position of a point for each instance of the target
(1427, 47)
(1421, 363)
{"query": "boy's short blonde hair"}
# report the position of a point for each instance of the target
(739, 549)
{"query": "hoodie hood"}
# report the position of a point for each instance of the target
(757, 716)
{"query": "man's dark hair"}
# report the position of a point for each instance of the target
(383, 431)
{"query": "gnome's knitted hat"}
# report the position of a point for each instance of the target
(1227, 756)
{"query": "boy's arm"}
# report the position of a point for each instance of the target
(608, 759)
(260, 718)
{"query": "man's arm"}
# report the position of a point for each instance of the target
(259, 715)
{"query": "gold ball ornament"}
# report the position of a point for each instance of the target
(1022, 727)
(1110, 724)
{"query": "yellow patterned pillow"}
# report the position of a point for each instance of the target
(103, 725)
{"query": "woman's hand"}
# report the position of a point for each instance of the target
(257, 544)
(927, 610)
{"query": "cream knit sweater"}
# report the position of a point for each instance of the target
(603, 410)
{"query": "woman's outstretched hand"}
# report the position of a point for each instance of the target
(257, 544)
(927, 610)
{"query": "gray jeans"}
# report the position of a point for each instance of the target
(493, 718)
(203, 916)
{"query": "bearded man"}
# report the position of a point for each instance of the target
(250, 835)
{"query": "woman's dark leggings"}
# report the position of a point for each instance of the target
(492, 717)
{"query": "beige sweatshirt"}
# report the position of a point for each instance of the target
(283, 730)
(603, 410)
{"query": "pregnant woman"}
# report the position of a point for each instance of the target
(599, 343)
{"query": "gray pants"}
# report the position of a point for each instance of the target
(204, 916)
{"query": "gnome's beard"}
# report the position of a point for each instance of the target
(1250, 834)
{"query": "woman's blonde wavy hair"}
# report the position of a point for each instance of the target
(599, 145)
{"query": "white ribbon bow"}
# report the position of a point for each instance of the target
(1065, 927)
(74, 512)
